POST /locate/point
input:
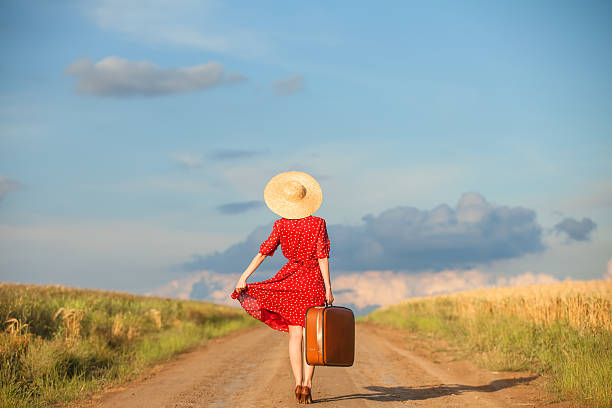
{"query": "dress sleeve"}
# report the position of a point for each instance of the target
(269, 245)
(323, 243)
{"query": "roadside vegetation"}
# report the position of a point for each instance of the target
(57, 344)
(560, 331)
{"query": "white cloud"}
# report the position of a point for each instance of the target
(288, 85)
(525, 279)
(387, 287)
(7, 185)
(119, 77)
(472, 208)
(608, 275)
(196, 24)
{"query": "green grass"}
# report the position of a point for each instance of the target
(101, 338)
(577, 364)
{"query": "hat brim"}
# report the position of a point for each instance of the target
(277, 203)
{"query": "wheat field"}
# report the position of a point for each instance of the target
(584, 305)
(57, 343)
(562, 331)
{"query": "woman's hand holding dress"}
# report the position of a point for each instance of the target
(241, 285)
(257, 260)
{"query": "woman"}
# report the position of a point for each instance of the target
(281, 301)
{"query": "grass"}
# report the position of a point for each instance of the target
(562, 331)
(57, 344)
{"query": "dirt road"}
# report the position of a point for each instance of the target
(251, 368)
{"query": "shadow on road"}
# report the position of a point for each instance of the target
(400, 393)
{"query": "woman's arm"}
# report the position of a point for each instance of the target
(257, 260)
(324, 265)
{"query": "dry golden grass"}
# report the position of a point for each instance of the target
(585, 305)
(71, 322)
(563, 331)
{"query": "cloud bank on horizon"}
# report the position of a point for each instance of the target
(362, 291)
(408, 239)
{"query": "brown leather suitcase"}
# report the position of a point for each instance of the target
(330, 336)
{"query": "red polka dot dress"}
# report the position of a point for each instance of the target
(283, 299)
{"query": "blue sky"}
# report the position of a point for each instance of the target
(126, 129)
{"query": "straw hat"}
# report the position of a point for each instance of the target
(293, 194)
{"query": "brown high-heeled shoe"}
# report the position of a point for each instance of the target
(298, 393)
(306, 397)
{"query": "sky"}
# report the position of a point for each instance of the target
(458, 145)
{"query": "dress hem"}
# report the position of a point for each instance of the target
(273, 319)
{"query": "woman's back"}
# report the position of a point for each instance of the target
(300, 239)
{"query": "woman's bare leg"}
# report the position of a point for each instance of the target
(308, 369)
(308, 373)
(295, 352)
